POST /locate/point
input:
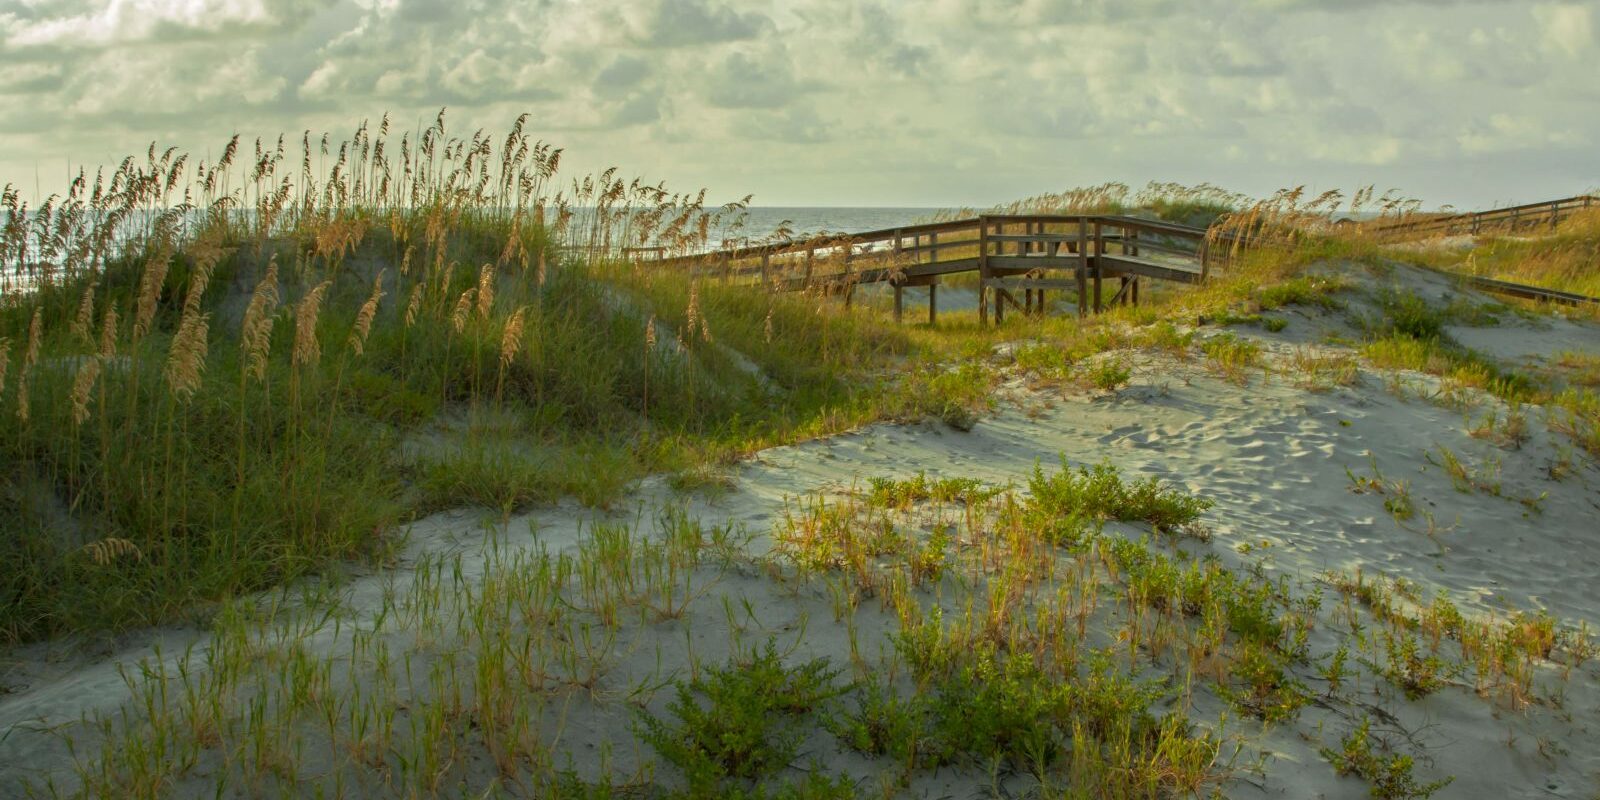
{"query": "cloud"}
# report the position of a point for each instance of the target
(845, 101)
(113, 22)
(1567, 27)
(686, 23)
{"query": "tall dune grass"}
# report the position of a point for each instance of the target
(218, 375)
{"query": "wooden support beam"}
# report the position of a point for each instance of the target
(899, 301)
(1099, 250)
(1083, 267)
(983, 271)
(933, 304)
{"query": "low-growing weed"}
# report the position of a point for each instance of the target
(1100, 493)
(1390, 775)
(745, 727)
(1232, 356)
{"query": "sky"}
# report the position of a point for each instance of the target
(847, 102)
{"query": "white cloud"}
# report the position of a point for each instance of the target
(1567, 27)
(846, 101)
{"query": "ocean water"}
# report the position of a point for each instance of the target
(761, 221)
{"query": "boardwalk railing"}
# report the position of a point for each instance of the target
(1012, 255)
(1507, 220)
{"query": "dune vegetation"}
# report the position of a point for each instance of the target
(374, 429)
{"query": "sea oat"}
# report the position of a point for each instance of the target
(307, 350)
(29, 358)
(105, 551)
(485, 290)
(463, 308)
(767, 326)
(369, 309)
(108, 333)
(5, 362)
(82, 387)
(84, 321)
(186, 360)
(650, 334)
(511, 340)
(150, 282)
(693, 311)
(256, 334)
(414, 305)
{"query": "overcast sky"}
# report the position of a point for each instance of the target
(848, 102)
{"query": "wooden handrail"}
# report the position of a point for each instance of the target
(1551, 210)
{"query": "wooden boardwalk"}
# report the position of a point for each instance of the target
(1017, 259)
(1102, 259)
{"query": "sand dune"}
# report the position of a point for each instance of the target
(1291, 472)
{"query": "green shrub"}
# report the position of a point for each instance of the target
(1100, 493)
(746, 728)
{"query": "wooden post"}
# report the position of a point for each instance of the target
(983, 271)
(1083, 267)
(999, 307)
(899, 300)
(933, 247)
(1099, 250)
(727, 264)
(933, 303)
(811, 257)
(766, 264)
(1555, 215)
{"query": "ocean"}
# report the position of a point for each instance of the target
(762, 221)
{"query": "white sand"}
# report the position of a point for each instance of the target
(1274, 457)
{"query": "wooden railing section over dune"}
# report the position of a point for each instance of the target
(1017, 259)
(1532, 217)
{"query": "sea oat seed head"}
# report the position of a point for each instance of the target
(108, 333)
(5, 362)
(82, 386)
(84, 321)
(511, 341)
(414, 305)
(369, 309)
(186, 360)
(256, 334)
(463, 307)
(307, 350)
(150, 282)
(485, 290)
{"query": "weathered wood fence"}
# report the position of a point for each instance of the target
(1017, 259)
